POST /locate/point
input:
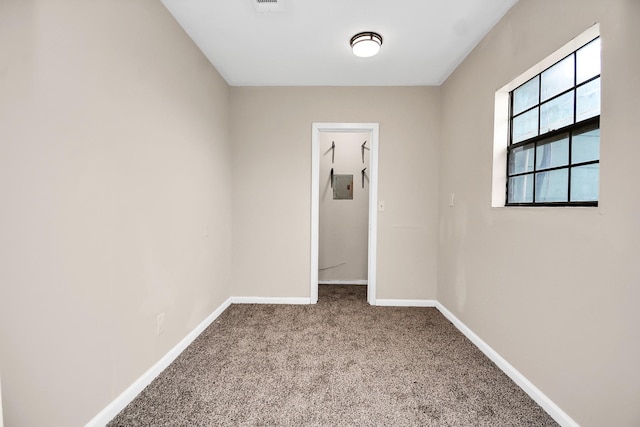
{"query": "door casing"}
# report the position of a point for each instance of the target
(373, 130)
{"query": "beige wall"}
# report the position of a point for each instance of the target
(344, 224)
(271, 133)
(553, 290)
(114, 161)
(118, 182)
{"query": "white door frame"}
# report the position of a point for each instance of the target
(373, 129)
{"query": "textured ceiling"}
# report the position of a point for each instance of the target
(306, 43)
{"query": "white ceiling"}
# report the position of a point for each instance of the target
(306, 43)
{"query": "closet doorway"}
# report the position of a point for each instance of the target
(348, 179)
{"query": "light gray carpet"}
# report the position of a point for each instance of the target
(340, 362)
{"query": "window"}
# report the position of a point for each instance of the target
(553, 156)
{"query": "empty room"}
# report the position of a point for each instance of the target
(319, 213)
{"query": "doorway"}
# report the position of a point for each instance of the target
(318, 131)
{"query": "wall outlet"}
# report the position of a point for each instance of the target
(160, 323)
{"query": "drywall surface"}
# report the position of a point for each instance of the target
(115, 183)
(553, 290)
(343, 223)
(271, 133)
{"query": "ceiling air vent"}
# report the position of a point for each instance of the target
(264, 6)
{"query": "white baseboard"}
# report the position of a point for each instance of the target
(406, 302)
(109, 412)
(535, 393)
(343, 282)
(120, 402)
(270, 300)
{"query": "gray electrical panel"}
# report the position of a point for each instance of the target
(342, 187)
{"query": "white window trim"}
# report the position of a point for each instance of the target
(501, 112)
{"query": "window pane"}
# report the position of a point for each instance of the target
(557, 78)
(521, 159)
(520, 189)
(552, 186)
(588, 61)
(585, 146)
(525, 96)
(553, 153)
(525, 126)
(585, 183)
(557, 113)
(588, 100)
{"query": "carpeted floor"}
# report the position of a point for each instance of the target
(340, 362)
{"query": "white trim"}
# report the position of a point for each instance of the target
(315, 212)
(130, 393)
(373, 216)
(407, 302)
(374, 129)
(270, 300)
(501, 111)
(342, 282)
(535, 393)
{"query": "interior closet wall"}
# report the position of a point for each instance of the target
(343, 228)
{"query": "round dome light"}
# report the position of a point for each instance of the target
(366, 44)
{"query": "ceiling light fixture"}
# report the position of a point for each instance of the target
(366, 44)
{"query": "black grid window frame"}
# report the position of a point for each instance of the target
(570, 130)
